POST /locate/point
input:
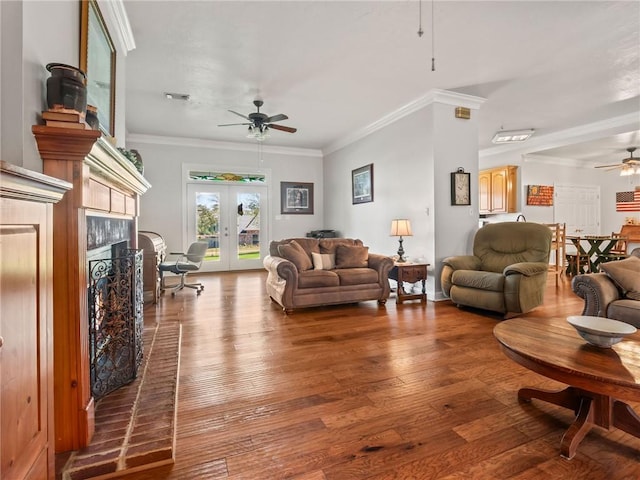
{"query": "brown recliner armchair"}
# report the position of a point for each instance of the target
(507, 272)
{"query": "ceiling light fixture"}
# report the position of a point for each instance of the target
(260, 133)
(628, 170)
(177, 96)
(512, 136)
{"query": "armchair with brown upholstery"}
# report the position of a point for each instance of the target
(507, 272)
(614, 293)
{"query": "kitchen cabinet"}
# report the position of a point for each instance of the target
(497, 189)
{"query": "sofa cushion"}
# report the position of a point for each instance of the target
(352, 256)
(491, 281)
(329, 245)
(625, 310)
(308, 245)
(323, 261)
(317, 279)
(357, 276)
(626, 274)
(293, 252)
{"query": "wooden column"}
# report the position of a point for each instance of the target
(104, 183)
(26, 320)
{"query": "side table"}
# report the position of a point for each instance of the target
(410, 273)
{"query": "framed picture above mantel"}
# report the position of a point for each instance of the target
(98, 61)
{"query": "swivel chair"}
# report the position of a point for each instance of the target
(185, 263)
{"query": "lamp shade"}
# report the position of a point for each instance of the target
(401, 228)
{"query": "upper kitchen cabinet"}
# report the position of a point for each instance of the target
(498, 190)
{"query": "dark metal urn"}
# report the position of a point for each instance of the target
(66, 88)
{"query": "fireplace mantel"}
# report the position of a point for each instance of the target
(105, 184)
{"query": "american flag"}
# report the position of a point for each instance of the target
(628, 201)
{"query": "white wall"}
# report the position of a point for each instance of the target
(162, 207)
(402, 186)
(412, 160)
(33, 34)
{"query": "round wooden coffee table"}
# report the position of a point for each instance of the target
(598, 378)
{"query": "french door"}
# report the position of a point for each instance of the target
(232, 220)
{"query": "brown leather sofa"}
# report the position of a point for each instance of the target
(507, 272)
(604, 298)
(310, 272)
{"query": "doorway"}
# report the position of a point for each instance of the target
(232, 220)
(579, 207)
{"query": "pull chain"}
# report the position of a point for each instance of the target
(420, 31)
(433, 40)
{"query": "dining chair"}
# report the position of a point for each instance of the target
(619, 250)
(558, 248)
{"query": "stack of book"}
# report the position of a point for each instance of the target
(56, 118)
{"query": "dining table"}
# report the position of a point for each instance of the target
(594, 246)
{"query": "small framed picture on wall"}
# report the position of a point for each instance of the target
(362, 184)
(296, 198)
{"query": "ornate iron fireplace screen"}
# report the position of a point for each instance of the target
(115, 321)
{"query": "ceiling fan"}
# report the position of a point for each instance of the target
(629, 165)
(259, 123)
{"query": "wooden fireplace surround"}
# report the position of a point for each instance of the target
(104, 183)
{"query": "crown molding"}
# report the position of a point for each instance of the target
(215, 144)
(581, 133)
(432, 96)
(550, 160)
(116, 16)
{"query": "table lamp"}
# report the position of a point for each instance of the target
(400, 227)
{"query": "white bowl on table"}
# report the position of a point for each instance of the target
(599, 331)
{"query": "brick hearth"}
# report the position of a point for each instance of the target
(135, 425)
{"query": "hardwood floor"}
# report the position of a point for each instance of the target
(362, 392)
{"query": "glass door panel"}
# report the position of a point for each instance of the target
(231, 220)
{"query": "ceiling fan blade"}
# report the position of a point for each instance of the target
(240, 115)
(231, 124)
(618, 165)
(283, 128)
(276, 118)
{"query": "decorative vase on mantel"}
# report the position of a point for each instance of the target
(66, 88)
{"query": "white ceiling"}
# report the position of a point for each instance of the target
(335, 67)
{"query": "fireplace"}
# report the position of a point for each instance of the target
(91, 223)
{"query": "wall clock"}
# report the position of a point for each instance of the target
(460, 187)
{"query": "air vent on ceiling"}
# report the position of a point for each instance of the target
(177, 96)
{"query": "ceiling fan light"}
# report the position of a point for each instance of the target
(626, 171)
(259, 134)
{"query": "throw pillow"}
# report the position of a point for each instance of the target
(323, 261)
(352, 257)
(293, 252)
(626, 274)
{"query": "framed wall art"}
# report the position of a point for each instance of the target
(362, 184)
(540, 195)
(460, 187)
(296, 198)
(98, 61)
